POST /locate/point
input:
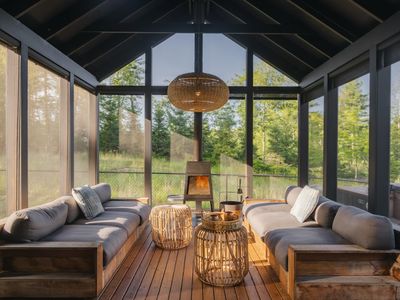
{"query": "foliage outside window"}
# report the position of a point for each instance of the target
(46, 91)
(395, 124)
(121, 157)
(316, 142)
(353, 147)
(82, 100)
(9, 63)
(131, 74)
(266, 75)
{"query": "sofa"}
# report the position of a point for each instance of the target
(52, 251)
(339, 252)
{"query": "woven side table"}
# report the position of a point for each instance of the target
(221, 251)
(171, 226)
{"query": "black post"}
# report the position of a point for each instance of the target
(330, 138)
(23, 149)
(147, 127)
(249, 123)
(302, 141)
(379, 136)
(198, 116)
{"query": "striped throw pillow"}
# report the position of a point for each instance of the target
(88, 201)
(305, 204)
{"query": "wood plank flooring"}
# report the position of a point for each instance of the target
(152, 273)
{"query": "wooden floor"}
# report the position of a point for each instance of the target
(152, 273)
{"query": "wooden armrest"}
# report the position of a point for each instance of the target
(51, 246)
(341, 249)
(144, 200)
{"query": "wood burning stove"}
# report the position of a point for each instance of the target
(198, 183)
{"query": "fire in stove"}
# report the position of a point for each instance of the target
(198, 185)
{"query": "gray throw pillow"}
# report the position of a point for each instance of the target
(88, 201)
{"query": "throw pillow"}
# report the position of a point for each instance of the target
(88, 201)
(305, 204)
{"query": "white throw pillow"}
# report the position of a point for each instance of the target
(88, 201)
(305, 204)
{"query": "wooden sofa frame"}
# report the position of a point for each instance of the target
(337, 271)
(59, 269)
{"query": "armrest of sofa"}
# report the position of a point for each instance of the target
(336, 260)
(144, 200)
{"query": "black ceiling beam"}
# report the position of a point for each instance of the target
(324, 20)
(70, 16)
(301, 54)
(19, 8)
(377, 10)
(120, 12)
(270, 29)
(101, 46)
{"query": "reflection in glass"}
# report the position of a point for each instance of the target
(81, 135)
(46, 90)
(316, 142)
(275, 153)
(353, 147)
(121, 131)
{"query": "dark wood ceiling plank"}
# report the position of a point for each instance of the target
(314, 40)
(163, 11)
(128, 13)
(77, 13)
(377, 10)
(270, 29)
(324, 20)
(301, 54)
(19, 8)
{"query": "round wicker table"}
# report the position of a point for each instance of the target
(221, 250)
(171, 226)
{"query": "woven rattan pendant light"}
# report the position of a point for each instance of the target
(198, 92)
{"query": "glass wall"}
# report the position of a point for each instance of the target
(395, 124)
(172, 146)
(275, 147)
(121, 133)
(82, 101)
(353, 142)
(224, 58)
(9, 66)
(172, 57)
(266, 75)
(46, 91)
(224, 138)
(131, 74)
(316, 142)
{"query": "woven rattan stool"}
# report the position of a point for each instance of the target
(171, 226)
(221, 251)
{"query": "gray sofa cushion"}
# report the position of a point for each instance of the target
(32, 224)
(364, 229)
(326, 212)
(103, 190)
(74, 212)
(278, 241)
(111, 237)
(265, 217)
(131, 206)
(291, 194)
(127, 221)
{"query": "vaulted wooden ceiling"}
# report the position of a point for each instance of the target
(295, 36)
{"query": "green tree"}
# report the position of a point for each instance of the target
(160, 132)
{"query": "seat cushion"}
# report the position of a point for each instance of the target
(74, 212)
(32, 224)
(264, 217)
(131, 206)
(278, 241)
(127, 221)
(103, 190)
(364, 229)
(112, 238)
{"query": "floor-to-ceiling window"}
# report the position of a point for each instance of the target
(121, 144)
(82, 101)
(275, 154)
(353, 142)
(9, 66)
(46, 91)
(316, 142)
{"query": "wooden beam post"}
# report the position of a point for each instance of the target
(147, 127)
(379, 136)
(330, 138)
